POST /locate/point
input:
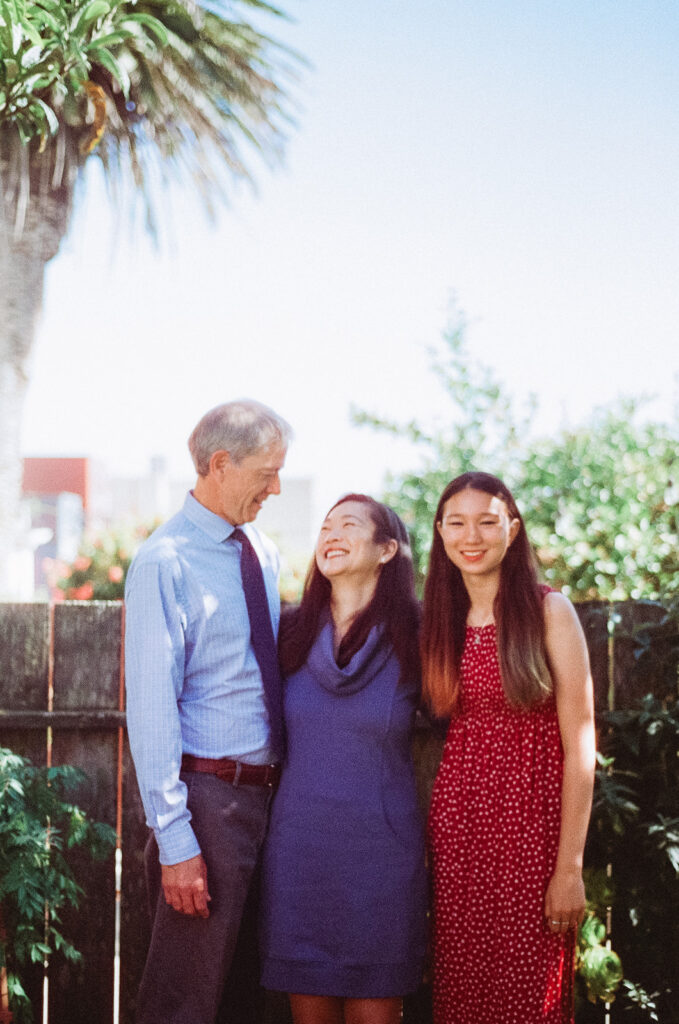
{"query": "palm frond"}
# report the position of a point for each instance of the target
(140, 85)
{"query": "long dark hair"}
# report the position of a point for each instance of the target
(393, 604)
(518, 613)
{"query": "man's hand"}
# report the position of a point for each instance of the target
(185, 886)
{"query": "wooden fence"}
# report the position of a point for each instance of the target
(62, 701)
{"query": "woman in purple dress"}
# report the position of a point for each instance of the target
(344, 885)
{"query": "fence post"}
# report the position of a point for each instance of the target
(6, 1016)
(593, 617)
(641, 666)
(86, 678)
(24, 657)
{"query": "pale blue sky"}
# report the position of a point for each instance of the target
(521, 155)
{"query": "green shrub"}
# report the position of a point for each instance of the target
(599, 969)
(600, 500)
(632, 853)
(99, 571)
(37, 828)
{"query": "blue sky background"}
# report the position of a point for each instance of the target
(521, 156)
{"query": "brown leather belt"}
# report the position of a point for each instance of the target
(238, 772)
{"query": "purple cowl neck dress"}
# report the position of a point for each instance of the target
(344, 885)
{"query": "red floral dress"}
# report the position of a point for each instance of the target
(493, 835)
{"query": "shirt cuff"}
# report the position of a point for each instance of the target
(177, 844)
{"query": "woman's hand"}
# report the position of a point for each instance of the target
(565, 901)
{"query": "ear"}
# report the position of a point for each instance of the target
(514, 528)
(219, 461)
(389, 550)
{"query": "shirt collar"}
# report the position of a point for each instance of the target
(209, 522)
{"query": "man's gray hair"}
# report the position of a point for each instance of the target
(240, 428)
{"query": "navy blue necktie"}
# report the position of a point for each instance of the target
(263, 642)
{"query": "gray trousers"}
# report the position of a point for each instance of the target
(189, 958)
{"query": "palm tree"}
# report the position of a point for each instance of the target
(156, 89)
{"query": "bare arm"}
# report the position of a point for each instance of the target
(569, 661)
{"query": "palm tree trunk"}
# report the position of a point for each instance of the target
(34, 217)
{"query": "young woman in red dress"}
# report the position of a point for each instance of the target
(506, 658)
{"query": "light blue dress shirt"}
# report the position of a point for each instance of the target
(192, 679)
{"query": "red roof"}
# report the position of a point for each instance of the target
(54, 476)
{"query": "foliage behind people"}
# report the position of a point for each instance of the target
(601, 500)
(38, 826)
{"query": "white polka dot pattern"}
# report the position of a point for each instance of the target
(493, 835)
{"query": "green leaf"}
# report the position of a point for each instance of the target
(46, 18)
(33, 55)
(11, 70)
(34, 36)
(17, 38)
(110, 39)
(8, 14)
(50, 116)
(37, 83)
(108, 61)
(92, 11)
(152, 24)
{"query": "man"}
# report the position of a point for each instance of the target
(203, 712)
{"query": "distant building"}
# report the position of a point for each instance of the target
(56, 496)
(287, 517)
(66, 496)
(52, 476)
(143, 499)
